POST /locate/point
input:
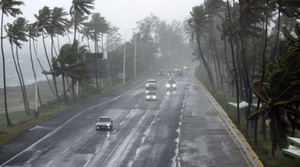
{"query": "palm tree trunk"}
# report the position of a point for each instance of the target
(19, 77)
(96, 68)
(75, 27)
(247, 80)
(89, 46)
(264, 57)
(275, 50)
(214, 48)
(64, 88)
(73, 89)
(234, 67)
(53, 75)
(8, 122)
(210, 76)
(22, 79)
(45, 49)
(40, 64)
(68, 34)
(58, 43)
(214, 62)
(102, 36)
(254, 53)
(33, 71)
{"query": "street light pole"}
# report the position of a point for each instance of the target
(124, 61)
(134, 55)
(124, 57)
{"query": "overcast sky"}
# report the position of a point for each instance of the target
(122, 13)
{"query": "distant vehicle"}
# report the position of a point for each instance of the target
(148, 89)
(170, 74)
(162, 73)
(151, 83)
(171, 85)
(104, 123)
(151, 95)
(186, 68)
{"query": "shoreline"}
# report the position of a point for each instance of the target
(15, 98)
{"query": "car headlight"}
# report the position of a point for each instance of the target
(147, 85)
(147, 91)
(147, 97)
(168, 85)
(174, 85)
(154, 97)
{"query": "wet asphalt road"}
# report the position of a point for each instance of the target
(179, 129)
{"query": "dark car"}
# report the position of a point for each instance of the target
(104, 123)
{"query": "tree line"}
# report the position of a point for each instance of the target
(154, 41)
(251, 47)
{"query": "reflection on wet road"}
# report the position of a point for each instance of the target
(179, 128)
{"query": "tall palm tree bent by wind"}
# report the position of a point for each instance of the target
(8, 8)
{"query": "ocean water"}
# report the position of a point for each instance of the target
(11, 75)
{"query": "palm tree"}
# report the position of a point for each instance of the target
(32, 34)
(45, 27)
(287, 8)
(70, 62)
(8, 8)
(97, 26)
(213, 8)
(86, 34)
(280, 94)
(15, 34)
(78, 9)
(198, 23)
(57, 24)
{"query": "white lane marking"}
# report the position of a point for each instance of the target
(176, 159)
(39, 127)
(67, 122)
(122, 123)
(146, 133)
(58, 155)
(50, 163)
(90, 130)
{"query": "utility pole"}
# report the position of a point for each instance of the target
(135, 55)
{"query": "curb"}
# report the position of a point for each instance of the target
(248, 154)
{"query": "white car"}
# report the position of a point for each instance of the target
(171, 85)
(151, 95)
(104, 123)
(151, 83)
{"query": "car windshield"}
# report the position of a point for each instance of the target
(171, 81)
(152, 93)
(151, 81)
(151, 88)
(104, 119)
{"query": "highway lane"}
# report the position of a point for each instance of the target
(158, 133)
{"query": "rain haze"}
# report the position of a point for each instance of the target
(122, 13)
(150, 83)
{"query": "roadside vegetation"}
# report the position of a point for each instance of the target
(248, 51)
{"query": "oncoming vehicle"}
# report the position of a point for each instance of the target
(171, 85)
(170, 74)
(148, 89)
(151, 83)
(104, 123)
(151, 95)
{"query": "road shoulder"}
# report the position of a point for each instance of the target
(236, 135)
